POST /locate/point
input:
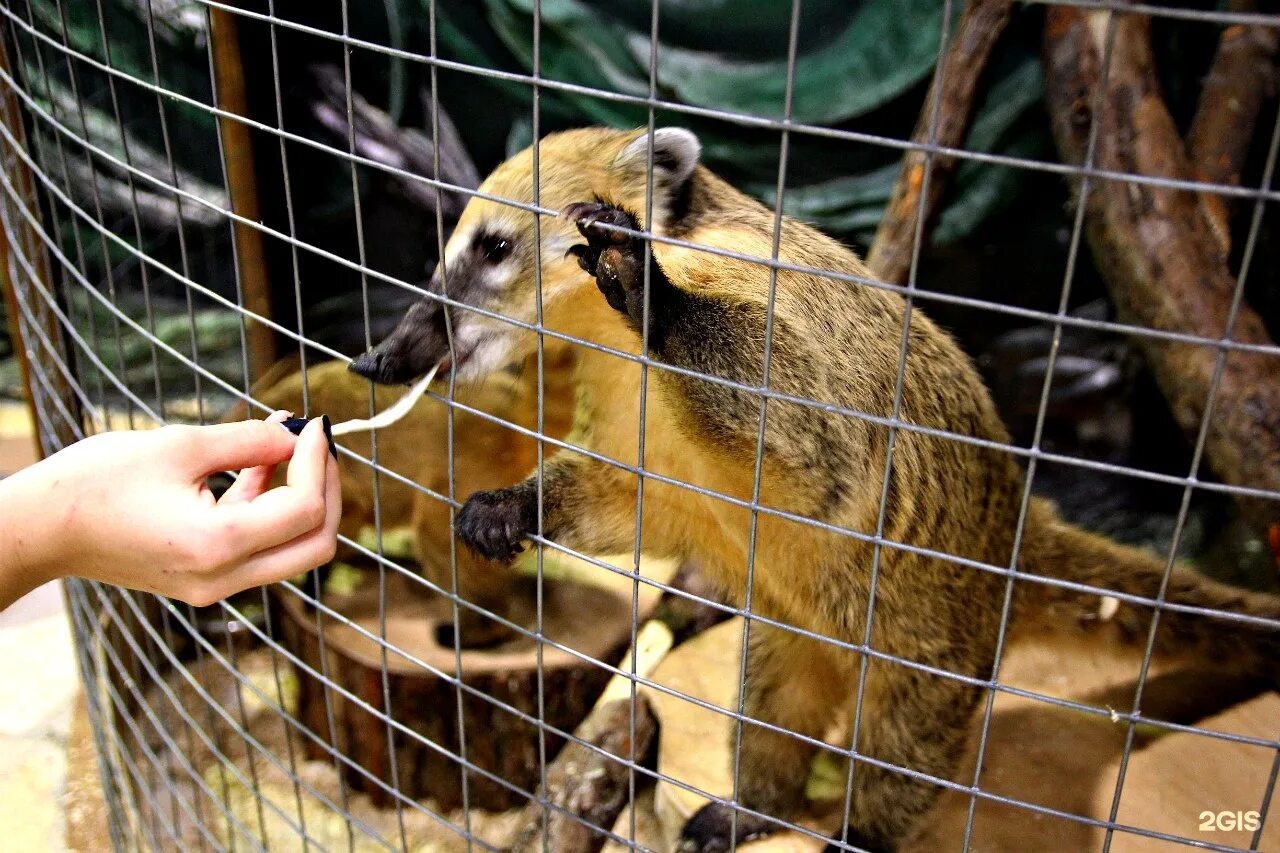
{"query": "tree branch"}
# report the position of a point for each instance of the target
(379, 138)
(1243, 75)
(957, 80)
(592, 787)
(1157, 252)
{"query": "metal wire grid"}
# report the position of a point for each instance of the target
(113, 617)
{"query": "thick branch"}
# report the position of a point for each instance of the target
(591, 786)
(1161, 261)
(957, 79)
(379, 138)
(1243, 75)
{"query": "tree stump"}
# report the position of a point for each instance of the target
(584, 611)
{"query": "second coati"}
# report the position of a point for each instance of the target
(485, 454)
(831, 341)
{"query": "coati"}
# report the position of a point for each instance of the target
(833, 342)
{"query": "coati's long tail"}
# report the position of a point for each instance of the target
(1055, 548)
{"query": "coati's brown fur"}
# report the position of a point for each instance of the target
(834, 342)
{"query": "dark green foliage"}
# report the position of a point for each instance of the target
(860, 66)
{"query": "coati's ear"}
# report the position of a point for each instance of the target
(675, 156)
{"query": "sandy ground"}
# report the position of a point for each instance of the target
(38, 687)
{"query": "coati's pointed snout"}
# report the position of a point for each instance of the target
(383, 365)
(369, 365)
(418, 343)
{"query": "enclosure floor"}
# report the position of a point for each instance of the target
(17, 447)
(38, 690)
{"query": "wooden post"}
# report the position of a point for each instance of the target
(20, 174)
(237, 152)
(19, 343)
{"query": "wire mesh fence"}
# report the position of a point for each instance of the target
(210, 209)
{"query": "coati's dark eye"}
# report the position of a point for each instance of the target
(492, 248)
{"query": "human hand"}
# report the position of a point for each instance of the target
(132, 509)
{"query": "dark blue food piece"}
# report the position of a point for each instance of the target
(295, 426)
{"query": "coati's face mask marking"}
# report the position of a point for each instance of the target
(492, 265)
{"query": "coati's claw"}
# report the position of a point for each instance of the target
(587, 258)
(614, 258)
(495, 524)
(712, 829)
(589, 216)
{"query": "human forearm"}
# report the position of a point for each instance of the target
(27, 536)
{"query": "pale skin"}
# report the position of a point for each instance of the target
(131, 508)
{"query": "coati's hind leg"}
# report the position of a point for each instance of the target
(911, 719)
(792, 683)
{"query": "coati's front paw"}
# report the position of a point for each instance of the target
(495, 524)
(614, 258)
(713, 829)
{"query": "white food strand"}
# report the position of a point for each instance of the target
(391, 415)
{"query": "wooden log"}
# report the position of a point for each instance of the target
(1170, 785)
(954, 85)
(500, 742)
(696, 743)
(1032, 746)
(1162, 264)
(1243, 75)
(589, 786)
(592, 788)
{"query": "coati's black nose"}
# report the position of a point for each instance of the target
(418, 341)
(387, 364)
(369, 365)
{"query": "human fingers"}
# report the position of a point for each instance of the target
(332, 497)
(302, 554)
(252, 482)
(204, 450)
(282, 514)
(311, 459)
